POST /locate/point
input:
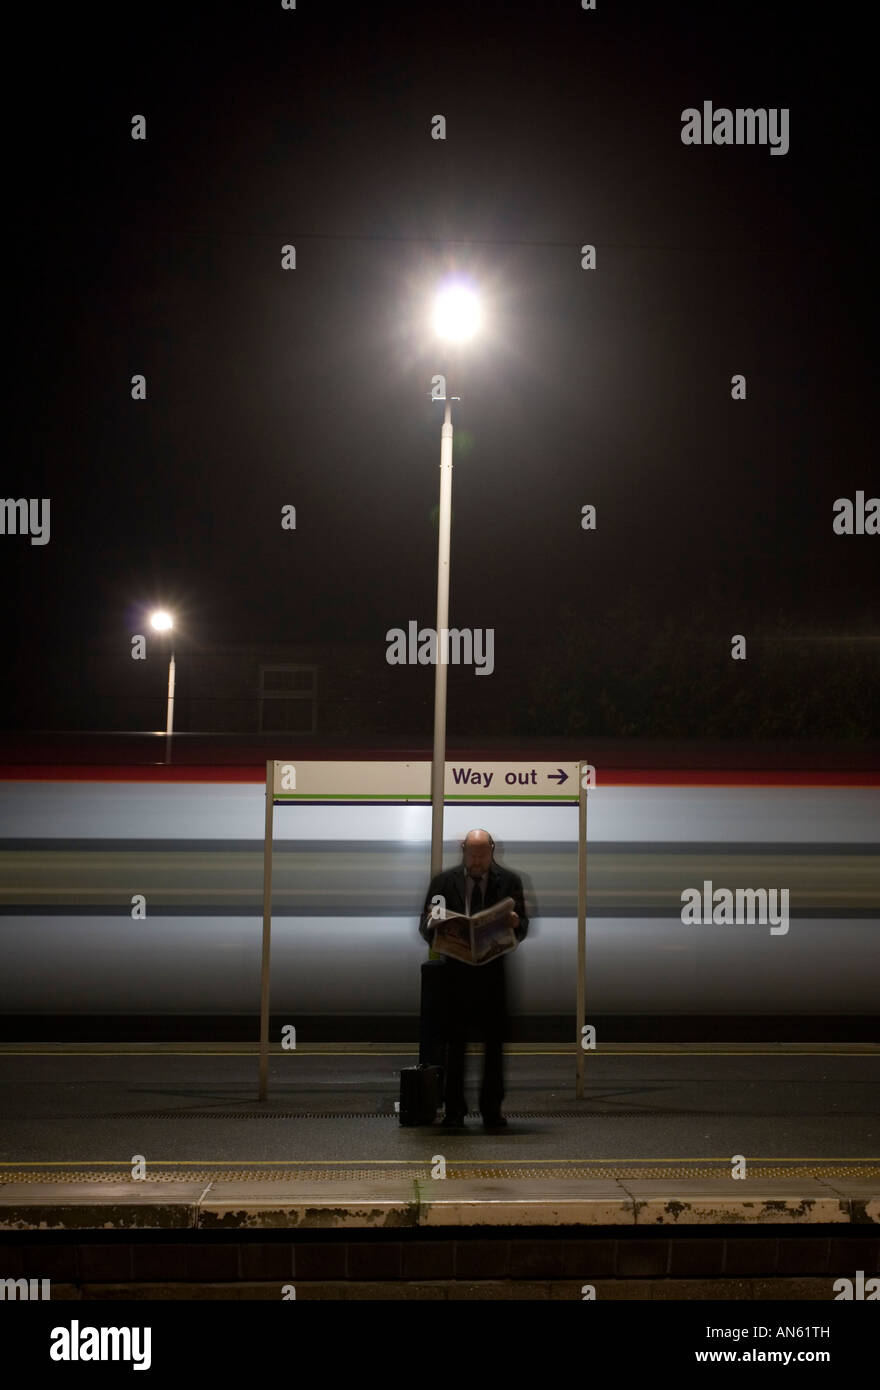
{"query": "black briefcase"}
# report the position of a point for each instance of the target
(420, 1095)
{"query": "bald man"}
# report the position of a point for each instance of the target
(476, 994)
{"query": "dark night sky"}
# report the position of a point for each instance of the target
(311, 386)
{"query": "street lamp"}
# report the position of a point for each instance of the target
(456, 318)
(456, 314)
(163, 622)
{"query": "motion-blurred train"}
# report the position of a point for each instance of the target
(80, 843)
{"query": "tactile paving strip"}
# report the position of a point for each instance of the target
(387, 1113)
(422, 1172)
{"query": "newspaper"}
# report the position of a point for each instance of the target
(478, 939)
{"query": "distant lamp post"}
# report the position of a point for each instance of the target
(456, 319)
(163, 622)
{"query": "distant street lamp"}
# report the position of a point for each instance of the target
(456, 319)
(163, 622)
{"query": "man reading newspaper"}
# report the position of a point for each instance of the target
(476, 990)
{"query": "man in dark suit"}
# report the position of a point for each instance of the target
(475, 994)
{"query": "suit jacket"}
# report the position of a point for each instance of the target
(502, 883)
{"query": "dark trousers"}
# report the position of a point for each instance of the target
(477, 1011)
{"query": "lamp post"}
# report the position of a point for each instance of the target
(163, 622)
(438, 764)
(456, 319)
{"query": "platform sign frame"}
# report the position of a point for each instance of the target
(350, 783)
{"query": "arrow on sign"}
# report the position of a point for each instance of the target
(559, 777)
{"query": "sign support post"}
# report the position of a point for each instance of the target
(582, 927)
(267, 932)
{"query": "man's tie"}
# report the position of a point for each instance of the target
(476, 896)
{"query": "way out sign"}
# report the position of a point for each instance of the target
(386, 783)
(312, 783)
(553, 782)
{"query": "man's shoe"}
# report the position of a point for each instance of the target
(494, 1122)
(453, 1121)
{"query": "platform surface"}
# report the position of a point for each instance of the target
(654, 1142)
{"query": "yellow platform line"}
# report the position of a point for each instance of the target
(304, 1052)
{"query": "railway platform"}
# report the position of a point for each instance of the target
(734, 1172)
